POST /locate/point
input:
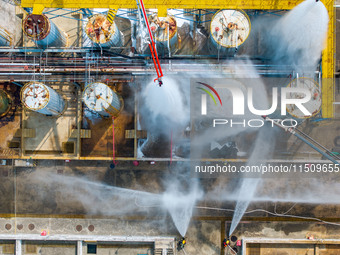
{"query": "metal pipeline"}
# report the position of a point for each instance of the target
(293, 131)
(18, 64)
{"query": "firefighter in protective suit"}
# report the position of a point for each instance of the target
(181, 244)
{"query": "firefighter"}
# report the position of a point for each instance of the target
(181, 244)
(160, 82)
(225, 243)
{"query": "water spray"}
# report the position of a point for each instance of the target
(303, 137)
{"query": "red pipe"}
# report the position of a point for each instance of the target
(160, 69)
(154, 61)
(113, 140)
(152, 45)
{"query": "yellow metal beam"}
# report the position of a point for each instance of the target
(38, 9)
(328, 67)
(168, 4)
(113, 9)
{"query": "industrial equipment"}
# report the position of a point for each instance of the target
(142, 15)
(38, 97)
(5, 103)
(164, 30)
(229, 29)
(306, 139)
(44, 32)
(102, 99)
(103, 32)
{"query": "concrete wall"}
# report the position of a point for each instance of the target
(48, 248)
(7, 247)
(10, 21)
(110, 249)
(292, 249)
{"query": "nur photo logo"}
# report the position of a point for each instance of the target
(240, 102)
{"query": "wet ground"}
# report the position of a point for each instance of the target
(77, 198)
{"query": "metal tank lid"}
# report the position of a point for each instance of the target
(230, 28)
(35, 95)
(99, 29)
(36, 27)
(161, 25)
(98, 96)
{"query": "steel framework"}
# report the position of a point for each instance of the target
(162, 6)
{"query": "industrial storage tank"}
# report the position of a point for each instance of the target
(100, 98)
(102, 32)
(40, 98)
(313, 105)
(229, 29)
(5, 103)
(5, 37)
(44, 32)
(164, 30)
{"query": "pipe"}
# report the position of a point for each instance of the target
(314, 147)
(37, 74)
(5, 37)
(18, 64)
(292, 131)
(152, 46)
(15, 83)
(317, 143)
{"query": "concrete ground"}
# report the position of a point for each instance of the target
(52, 132)
(10, 123)
(79, 198)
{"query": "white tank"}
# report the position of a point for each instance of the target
(100, 98)
(164, 30)
(229, 29)
(40, 98)
(101, 31)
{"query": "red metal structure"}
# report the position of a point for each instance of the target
(152, 46)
